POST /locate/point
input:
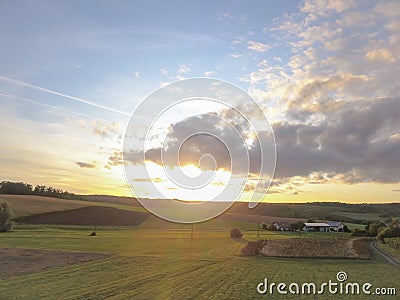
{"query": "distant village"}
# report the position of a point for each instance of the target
(309, 226)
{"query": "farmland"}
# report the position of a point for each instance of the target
(149, 263)
(156, 259)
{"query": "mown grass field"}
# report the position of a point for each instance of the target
(170, 263)
(162, 260)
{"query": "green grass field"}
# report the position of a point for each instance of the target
(357, 216)
(162, 260)
(167, 263)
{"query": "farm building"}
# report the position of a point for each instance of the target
(323, 227)
(282, 225)
(335, 226)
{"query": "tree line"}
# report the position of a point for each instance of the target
(22, 188)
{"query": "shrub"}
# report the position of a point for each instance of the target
(389, 232)
(394, 243)
(236, 233)
(253, 248)
(346, 228)
(5, 217)
(359, 232)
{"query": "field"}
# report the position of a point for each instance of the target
(161, 260)
(90, 215)
(357, 216)
(318, 248)
(159, 264)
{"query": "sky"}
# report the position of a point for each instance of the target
(324, 72)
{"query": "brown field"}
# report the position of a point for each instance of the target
(25, 205)
(128, 201)
(318, 248)
(18, 261)
(90, 215)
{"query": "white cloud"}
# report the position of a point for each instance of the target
(164, 72)
(137, 74)
(257, 46)
(380, 55)
(210, 73)
(183, 69)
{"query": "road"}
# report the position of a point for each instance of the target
(392, 260)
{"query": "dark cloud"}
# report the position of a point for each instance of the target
(358, 142)
(85, 165)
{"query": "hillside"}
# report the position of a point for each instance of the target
(25, 205)
(90, 215)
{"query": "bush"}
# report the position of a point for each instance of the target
(359, 232)
(346, 229)
(253, 248)
(394, 243)
(389, 232)
(236, 233)
(5, 217)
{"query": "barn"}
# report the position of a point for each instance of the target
(322, 227)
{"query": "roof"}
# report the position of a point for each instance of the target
(283, 223)
(316, 224)
(334, 223)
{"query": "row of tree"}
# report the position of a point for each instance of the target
(22, 188)
(380, 230)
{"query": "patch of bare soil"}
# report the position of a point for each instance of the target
(91, 215)
(317, 248)
(19, 261)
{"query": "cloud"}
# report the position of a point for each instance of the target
(137, 74)
(155, 180)
(227, 17)
(85, 165)
(380, 55)
(210, 73)
(258, 47)
(164, 72)
(101, 128)
(183, 69)
(115, 159)
(236, 55)
(355, 143)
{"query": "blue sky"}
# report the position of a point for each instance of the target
(309, 63)
(95, 49)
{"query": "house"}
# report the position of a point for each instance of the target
(282, 225)
(335, 226)
(322, 227)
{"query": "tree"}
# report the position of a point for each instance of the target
(373, 228)
(346, 228)
(5, 217)
(236, 233)
(15, 188)
(392, 231)
(297, 226)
